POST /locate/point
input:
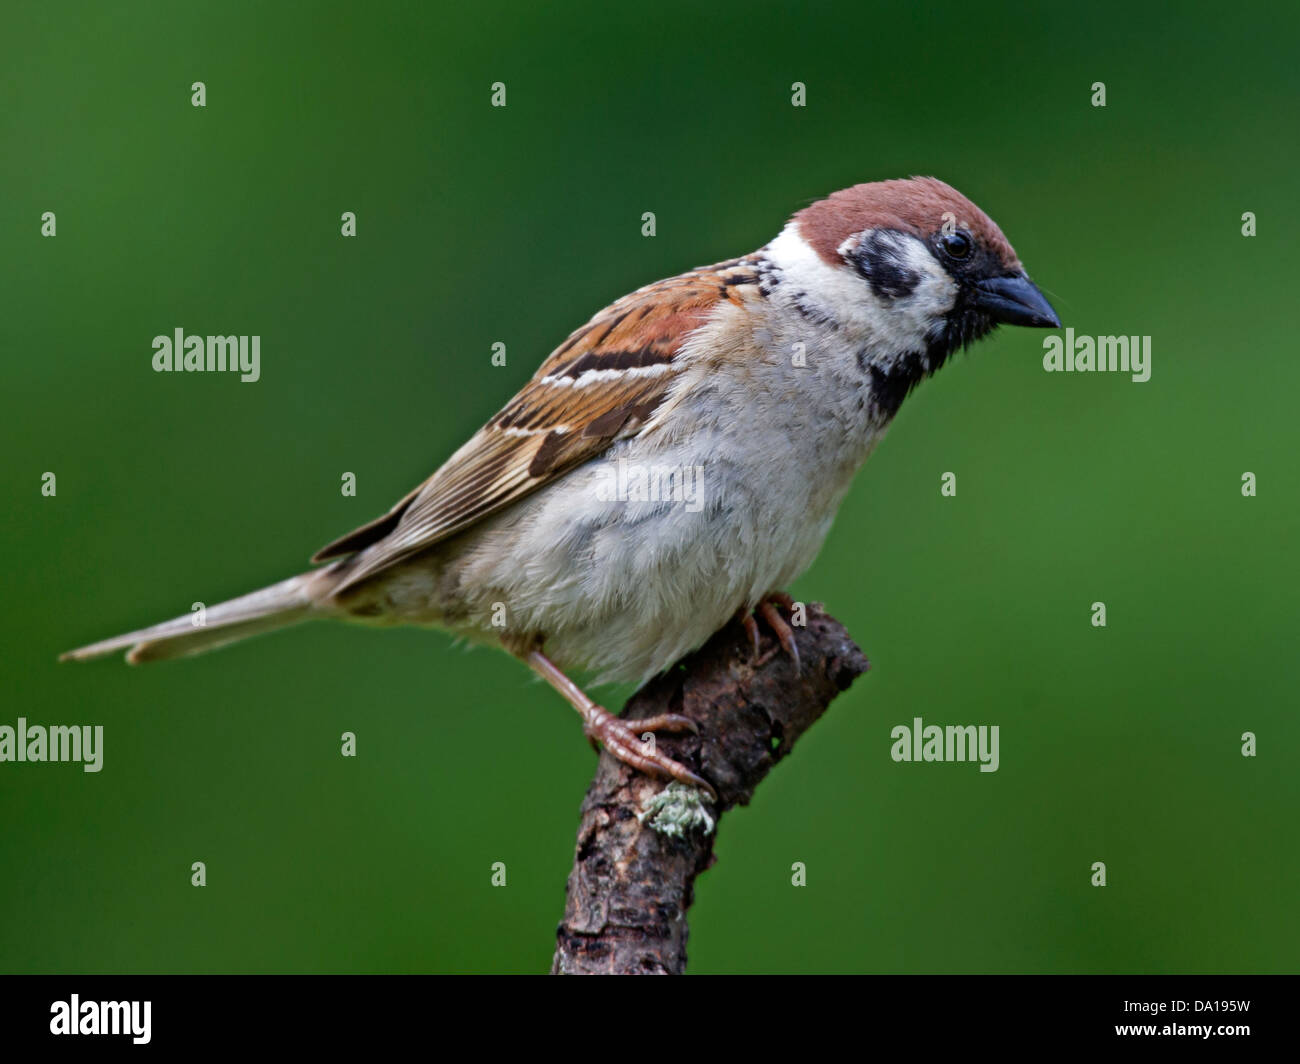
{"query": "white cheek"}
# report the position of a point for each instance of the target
(894, 327)
(932, 298)
(803, 273)
(937, 291)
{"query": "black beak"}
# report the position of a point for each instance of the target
(1015, 301)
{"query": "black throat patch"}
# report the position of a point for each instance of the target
(892, 383)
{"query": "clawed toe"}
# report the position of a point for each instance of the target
(769, 609)
(669, 722)
(622, 739)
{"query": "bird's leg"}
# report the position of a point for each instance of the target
(622, 738)
(769, 608)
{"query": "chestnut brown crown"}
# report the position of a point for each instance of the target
(918, 205)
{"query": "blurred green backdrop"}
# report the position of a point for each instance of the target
(478, 225)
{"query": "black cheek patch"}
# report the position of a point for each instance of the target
(879, 258)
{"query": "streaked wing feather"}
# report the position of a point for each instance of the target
(604, 382)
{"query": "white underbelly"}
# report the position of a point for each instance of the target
(623, 583)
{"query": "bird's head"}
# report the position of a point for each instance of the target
(912, 270)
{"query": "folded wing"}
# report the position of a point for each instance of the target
(603, 383)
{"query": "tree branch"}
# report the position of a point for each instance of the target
(631, 884)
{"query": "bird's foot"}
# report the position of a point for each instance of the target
(632, 742)
(769, 608)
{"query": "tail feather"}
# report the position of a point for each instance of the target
(277, 606)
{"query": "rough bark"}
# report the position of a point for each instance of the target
(631, 885)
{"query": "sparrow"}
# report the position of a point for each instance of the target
(764, 381)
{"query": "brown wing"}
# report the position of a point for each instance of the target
(602, 383)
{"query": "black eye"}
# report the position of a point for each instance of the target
(956, 244)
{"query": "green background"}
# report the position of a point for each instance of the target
(478, 225)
